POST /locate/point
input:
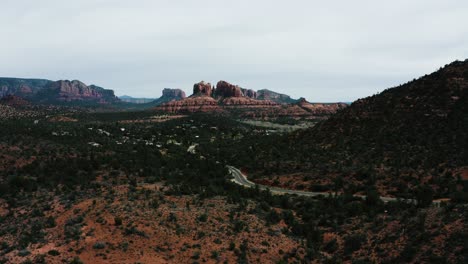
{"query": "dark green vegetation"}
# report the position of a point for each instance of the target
(410, 141)
(407, 140)
(67, 157)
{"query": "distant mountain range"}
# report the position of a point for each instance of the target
(56, 92)
(225, 97)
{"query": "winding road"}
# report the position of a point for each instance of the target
(240, 179)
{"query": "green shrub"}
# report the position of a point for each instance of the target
(353, 243)
(99, 245)
(331, 246)
(53, 252)
(202, 218)
(24, 253)
(118, 221)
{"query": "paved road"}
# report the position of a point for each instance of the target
(241, 179)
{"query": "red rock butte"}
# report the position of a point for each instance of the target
(227, 97)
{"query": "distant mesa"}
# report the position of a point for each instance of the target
(266, 94)
(168, 94)
(75, 90)
(52, 92)
(175, 94)
(21, 87)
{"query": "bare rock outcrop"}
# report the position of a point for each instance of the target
(21, 87)
(265, 94)
(225, 89)
(231, 98)
(65, 90)
(320, 108)
(51, 92)
(174, 93)
(202, 89)
(249, 93)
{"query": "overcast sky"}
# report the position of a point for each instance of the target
(321, 50)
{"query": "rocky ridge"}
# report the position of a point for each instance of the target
(176, 94)
(265, 94)
(46, 91)
(21, 87)
(75, 90)
(226, 97)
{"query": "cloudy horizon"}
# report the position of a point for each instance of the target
(334, 51)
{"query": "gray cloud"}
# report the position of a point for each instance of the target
(334, 51)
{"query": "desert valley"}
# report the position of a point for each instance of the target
(227, 174)
(233, 132)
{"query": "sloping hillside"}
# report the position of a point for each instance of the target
(409, 137)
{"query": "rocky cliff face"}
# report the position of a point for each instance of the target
(21, 87)
(175, 94)
(170, 95)
(225, 89)
(67, 91)
(202, 89)
(232, 98)
(46, 91)
(274, 96)
(249, 93)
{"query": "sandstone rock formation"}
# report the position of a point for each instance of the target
(46, 91)
(190, 105)
(320, 108)
(202, 88)
(67, 91)
(21, 87)
(249, 93)
(174, 93)
(168, 95)
(274, 96)
(234, 99)
(225, 89)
